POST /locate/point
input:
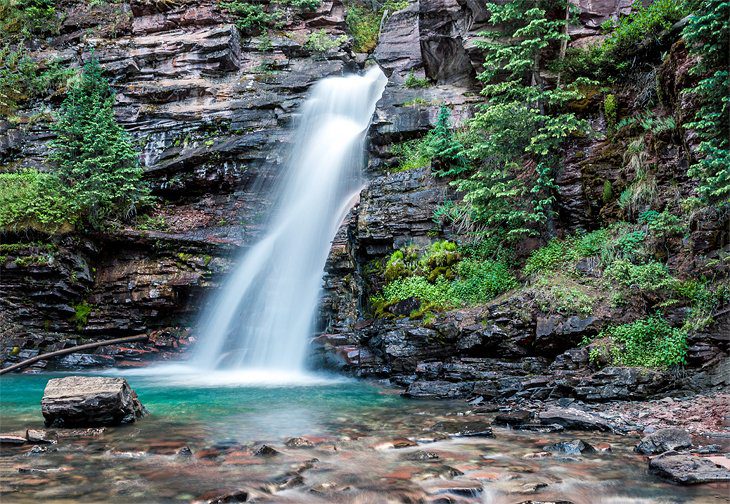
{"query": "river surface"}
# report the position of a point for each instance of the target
(360, 434)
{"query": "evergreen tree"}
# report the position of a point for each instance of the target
(96, 163)
(708, 37)
(445, 149)
(522, 125)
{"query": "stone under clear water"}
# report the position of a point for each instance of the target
(355, 428)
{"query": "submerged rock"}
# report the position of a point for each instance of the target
(265, 451)
(574, 447)
(687, 470)
(298, 442)
(572, 418)
(82, 401)
(464, 429)
(664, 440)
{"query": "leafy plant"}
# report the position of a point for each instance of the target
(642, 23)
(649, 342)
(610, 108)
(21, 79)
(411, 154)
(33, 200)
(364, 19)
(81, 315)
(708, 36)
(320, 42)
(414, 82)
(23, 19)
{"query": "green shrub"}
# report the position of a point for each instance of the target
(643, 23)
(411, 155)
(547, 258)
(250, 17)
(649, 342)
(319, 41)
(95, 160)
(480, 281)
(610, 108)
(559, 294)
(708, 37)
(414, 82)
(590, 244)
(81, 315)
(662, 224)
(648, 277)
(446, 151)
(437, 294)
(21, 79)
(363, 22)
(33, 200)
(607, 192)
(23, 19)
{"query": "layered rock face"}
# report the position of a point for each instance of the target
(211, 112)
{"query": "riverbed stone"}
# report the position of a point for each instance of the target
(664, 440)
(574, 447)
(573, 418)
(464, 429)
(84, 401)
(687, 469)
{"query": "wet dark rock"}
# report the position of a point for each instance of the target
(539, 427)
(512, 418)
(574, 447)
(37, 450)
(265, 451)
(421, 456)
(80, 401)
(184, 452)
(298, 442)
(708, 449)
(687, 469)
(230, 498)
(12, 439)
(572, 418)
(464, 429)
(664, 440)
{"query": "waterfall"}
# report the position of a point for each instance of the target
(263, 316)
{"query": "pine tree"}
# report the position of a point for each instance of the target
(95, 160)
(522, 125)
(708, 36)
(445, 149)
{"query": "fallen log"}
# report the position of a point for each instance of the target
(66, 351)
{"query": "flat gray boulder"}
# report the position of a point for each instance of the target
(687, 469)
(664, 440)
(572, 418)
(84, 401)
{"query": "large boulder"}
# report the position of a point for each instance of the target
(664, 440)
(84, 401)
(687, 469)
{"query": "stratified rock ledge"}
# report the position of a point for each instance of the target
(81, 401)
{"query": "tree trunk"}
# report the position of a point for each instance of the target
(66, 351)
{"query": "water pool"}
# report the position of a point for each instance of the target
(355, 428)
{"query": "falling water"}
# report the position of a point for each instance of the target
(263, 317)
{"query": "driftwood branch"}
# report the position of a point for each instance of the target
(74, 349)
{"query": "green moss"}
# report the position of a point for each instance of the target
(81, 314)
(610, 109)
